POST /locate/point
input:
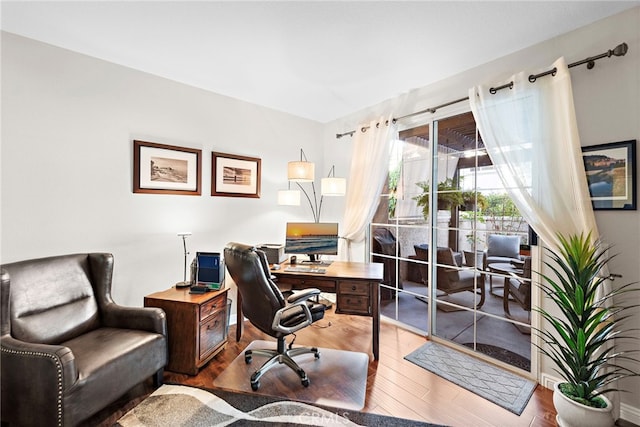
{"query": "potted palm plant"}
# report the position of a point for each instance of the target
(449, 195)
(581, 342)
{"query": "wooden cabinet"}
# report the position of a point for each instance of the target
(196, 326)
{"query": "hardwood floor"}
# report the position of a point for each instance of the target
(395, 387)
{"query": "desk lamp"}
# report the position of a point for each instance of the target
(184, 282)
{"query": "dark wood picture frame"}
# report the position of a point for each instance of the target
(166, 169)
(235, 176)
(611, 174)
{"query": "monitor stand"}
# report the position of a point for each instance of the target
(314, 259)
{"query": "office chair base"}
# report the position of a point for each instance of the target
(275, 358)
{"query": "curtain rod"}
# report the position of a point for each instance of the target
(619, 50)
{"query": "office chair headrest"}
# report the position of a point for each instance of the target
(245, 250)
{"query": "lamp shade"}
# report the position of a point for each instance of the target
(299, 171)
(289, 197)
(333, 186)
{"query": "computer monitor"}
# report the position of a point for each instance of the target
(312, 239)
(209, 269)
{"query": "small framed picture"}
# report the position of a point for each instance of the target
(166, 169)
(611, 174)
(235, 176)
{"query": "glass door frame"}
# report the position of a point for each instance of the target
(431, 225)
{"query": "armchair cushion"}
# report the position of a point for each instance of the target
(499, 245)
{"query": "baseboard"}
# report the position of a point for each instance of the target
(630, 413)
(627, 412)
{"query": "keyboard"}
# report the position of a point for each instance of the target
(306, 270)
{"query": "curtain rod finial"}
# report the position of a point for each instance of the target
(621, 49)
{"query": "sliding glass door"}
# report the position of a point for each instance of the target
(457, 291)
(399, 227)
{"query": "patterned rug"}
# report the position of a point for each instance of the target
(501, 387)
(175, 405)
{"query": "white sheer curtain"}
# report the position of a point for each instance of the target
(369, 164)
(531, 136)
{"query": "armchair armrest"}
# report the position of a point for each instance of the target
(149, 319)
(33, 379)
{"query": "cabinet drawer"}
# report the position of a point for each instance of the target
(353, 288)
(212, 333)
(209, 307)
(353, 304)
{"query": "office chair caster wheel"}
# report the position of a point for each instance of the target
(305, 382)
(247, 358)
(255, 385)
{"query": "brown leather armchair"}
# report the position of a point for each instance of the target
(67, 350)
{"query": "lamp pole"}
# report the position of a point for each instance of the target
(184, 282)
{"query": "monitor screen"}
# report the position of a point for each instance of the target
(208, 267)
(312, 238)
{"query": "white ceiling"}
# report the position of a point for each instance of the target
(320, 60)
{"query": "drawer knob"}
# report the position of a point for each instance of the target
(353, 288)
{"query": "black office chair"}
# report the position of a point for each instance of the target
(266, 308)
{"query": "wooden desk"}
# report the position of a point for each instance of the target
(356, 285)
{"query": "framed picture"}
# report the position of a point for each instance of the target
(166, 169)
(235, 176)
(611, 174)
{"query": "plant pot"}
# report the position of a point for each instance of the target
(574, 414)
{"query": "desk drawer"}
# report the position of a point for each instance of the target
(209, 307)
(212, 333)
(353, 304)
(353, 287)
(326, 285)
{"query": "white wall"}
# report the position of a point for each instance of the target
(68, 122)
(607, 100)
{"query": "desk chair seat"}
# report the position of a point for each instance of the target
(266, 308)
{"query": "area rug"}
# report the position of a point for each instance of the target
(501, 387)
(174, 405)
(338, 378)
